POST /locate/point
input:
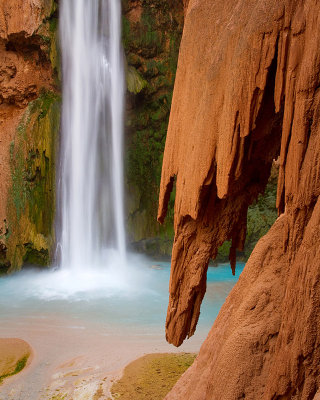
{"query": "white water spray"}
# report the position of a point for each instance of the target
(91, 183)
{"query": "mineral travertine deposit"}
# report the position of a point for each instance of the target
(28, 59)
(246, 93)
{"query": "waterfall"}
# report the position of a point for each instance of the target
(91, 171)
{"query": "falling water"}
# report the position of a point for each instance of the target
(91, 182)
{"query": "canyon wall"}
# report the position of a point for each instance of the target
(30, 114)
(29, 119)
(151, 37)
(246, 93)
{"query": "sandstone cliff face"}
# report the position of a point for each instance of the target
(28, 65)
(246, 92)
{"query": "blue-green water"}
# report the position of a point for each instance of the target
(96, 321)
(136, 300)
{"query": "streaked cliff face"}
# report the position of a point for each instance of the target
(28, 72)
(151, 38)
(246, 92)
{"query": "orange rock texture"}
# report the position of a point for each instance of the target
(25, 70)
(24, 64)
(185, 5)
(247, 92)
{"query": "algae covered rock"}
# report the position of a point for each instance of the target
(29, 119)
(14, 355)
(31, 200)
(151, 38)
(135, 82)
(151, 376)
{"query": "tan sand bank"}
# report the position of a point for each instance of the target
(151, 376)
(14, 356)
(90, 358)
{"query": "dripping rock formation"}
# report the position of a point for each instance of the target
(246, 93)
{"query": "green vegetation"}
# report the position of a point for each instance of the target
(58, 397)
(261, 216)
(19, 367)
(34, 256)
(48, 32)
(151, 45)
(28, 234)
(32, 195)
(151, 377)
(21, 364)
(135, 82)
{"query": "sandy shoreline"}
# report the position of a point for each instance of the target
(151, 376)
(15, 355)
(76, 363)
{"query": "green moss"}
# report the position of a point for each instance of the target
(151, 46)
(48, 33)
(261, 216)
(35, 257)
(223, 252)
(151, 376)
(19, 367)
(30, 206)
(143, 35)
(18, 190)
(32, 194)
(135, 82)
(59, 396)
(54, 52)
(53, 25)
(11, 150)
(21, 364)
(125, 32)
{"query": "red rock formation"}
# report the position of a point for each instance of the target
(24, 63)
(25, 69)
(185, 5)
(247, 90)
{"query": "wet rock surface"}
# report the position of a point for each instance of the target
(151, 38)
(28, 72)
